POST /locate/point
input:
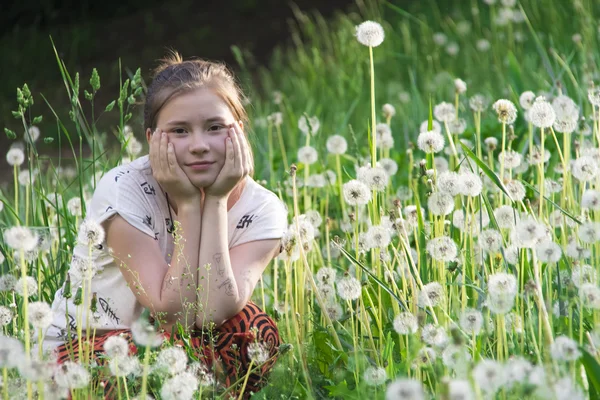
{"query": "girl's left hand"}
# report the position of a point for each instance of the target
(238, 164)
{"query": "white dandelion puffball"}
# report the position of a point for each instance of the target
(74, 206)
(258, 352)
(337, 144)
(356, 193)
(349, 288)
(90, 233)
(311, 124)
(479, 102)
(40, 314)
(430, 142)
(6, 316)
(31, 283)
(526, 99)
(548, 251)
(71, 375)
(502, 285)
(506, 110)
(471, 321)
(541, 113)
(375, 376)
(442, 248)
(585, 168)
(594, 96)
(489, 375)
(406, 323)
(435, 126)
(440, 203)
(180, 387)
(440, 38)
(370, 33)
(307, 155)
(388, 110)
(143, 333)
(460, 86)
(15, 156)
(431, 295)
(33, 134)
(172, 359)
(483, 45)
(471, 183)
(564, 349)
(389, 166)
(444, 112)
(21, 238)
(123, 366)
(116, 347)
(376, 178)
(405, 389)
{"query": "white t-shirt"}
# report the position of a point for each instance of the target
(132, 192)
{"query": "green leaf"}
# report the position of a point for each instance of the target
(48, 139)
(486, 170)
(17, 114)
(10, 134)
(553, 203)
(110, 106)
(37, 119)
(592, 369)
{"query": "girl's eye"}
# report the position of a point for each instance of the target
(179, 130)
(215, 128)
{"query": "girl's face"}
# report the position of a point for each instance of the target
(196, 122)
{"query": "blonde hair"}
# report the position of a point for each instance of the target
(175, 76)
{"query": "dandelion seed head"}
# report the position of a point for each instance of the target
(479, 102)
(31, 283)
(310, 124)
(7, 282)
(405, 389)
(431, 295)
(576, 251)
(564, 349)
(388, 110)
(517, 370)
(425, 356)
(471, 321)
(527, 232)
(489, 376)
(590, 296)
(483, 45)
(258, 352)
(502, 284)
(349, 288)
(116, 346)
(430, 142)
(585, 168)
(179, 387)
(15, 156)
(452, 49)
(506, 111)
(510, 159)
(356, 193)
(370, 34)
(583, 274)
(90, 233)
(40, 314)
(440, 38)
(541, 113)
(460, 389)
(20, 238)
(594, 96)
(456, 357)
(434, 336)
(444, 112)
(307, 155)
(405, 323)
(376, 178)
(460, 86)
(6, 316)
(548, 251)
(337, 144)
(471, 183)
(440, 203)
(490, 241)
(442, 248)
(375, 376)
(589, 232)
(526, 99)
(389, 166)
(449, 182)
(143, 333)
(435, 126)
(71, 375)
(506, 217)
(457, 126)
(334, 310)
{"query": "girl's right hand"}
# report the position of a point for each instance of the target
(168, 173)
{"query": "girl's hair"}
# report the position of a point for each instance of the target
(175, 76)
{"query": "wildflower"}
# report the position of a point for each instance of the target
(541, 113)
(526, 99)
(6, 316)
(460, 389)
(444, 112)
(506, 110)
(440, 38)
(378, 237)
(389, 166)
(565, 108)
(7, 282)
(576, 251)
(502, 285)
(337, 144)
(506, 217)
(82, 268)
(434, 336)
(258, 352)
(31, 283)
(375, 376)
(585, 168)
(90, 233)
(405, 389)
(471, 183)
(430, 142)
(388, 110)
(125, 365)
(425, 356)
(405, 323)
(510, 159)
(456, 357)
(370, 34)
(349, 288)
(527, 232)
(143, 333)
(40, 314)
(594, 96)
(590, 296)
(457, 127)
(483, 45)
(548, 251)
(356, 193)
(201, 372)
(307, 155)
(490, 241)
(71, 375)
(326, 275)
(334, 310)
(582, 274)
(489, 376)
(449, 182)
(133, 147)
(552, 186)
(471, 321)
(311, 124)
(33, 134)
(180, 387)
(452, 49)
(460, 86)
(440, 203)
(74, 206)
(116, 346)
(376, 179)
(565, 389)
(316, 181)
(314, 218)
(172, 359)
(516, 190)
(15, 156)
(431, 295)
(564, 349)
(589, 232)
(491, 143)
(20, 238)
(385, 140)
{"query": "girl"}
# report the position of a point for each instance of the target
(188, 232)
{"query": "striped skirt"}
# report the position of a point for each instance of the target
(224, 350)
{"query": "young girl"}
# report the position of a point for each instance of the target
(188, 232)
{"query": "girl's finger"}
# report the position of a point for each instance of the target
(171, 158)
(153, 149)
(162, 152)
(242, 142)
(237, 156)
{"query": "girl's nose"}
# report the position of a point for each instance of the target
(198, 143)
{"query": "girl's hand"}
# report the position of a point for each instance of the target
(167, 171)
(238, 164)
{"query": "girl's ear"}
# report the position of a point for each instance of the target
(148, 135)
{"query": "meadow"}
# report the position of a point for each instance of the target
(441, 167)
